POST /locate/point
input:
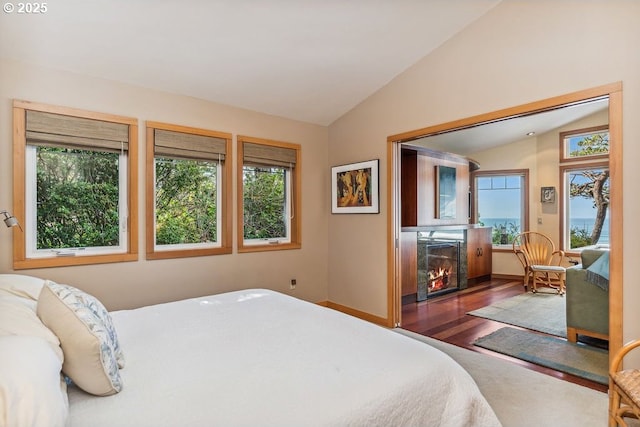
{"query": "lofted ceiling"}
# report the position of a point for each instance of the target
(484, 136)
(308, 60)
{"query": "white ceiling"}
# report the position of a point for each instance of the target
(309, 60)
(485, 136)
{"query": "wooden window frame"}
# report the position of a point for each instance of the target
(296, 204)
(20, 260)
(150, 184)
(572, 166)
(525, 202)
(584, 131)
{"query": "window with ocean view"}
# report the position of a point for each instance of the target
(585, 187)
(501, 203)
(587, 206)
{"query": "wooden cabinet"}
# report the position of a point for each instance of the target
(409, 266)
(418, 188)
(479, 252)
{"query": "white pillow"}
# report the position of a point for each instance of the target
(18, 317)
(32, 392)
(21, 285)
(88, 346)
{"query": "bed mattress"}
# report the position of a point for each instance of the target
(261, 358)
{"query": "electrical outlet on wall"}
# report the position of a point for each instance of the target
(293, 284)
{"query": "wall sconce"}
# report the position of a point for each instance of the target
(10, 220)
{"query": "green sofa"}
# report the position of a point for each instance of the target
(588, 296)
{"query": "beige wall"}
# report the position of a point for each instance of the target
(540, 155)
(519, 52)
(133, 284)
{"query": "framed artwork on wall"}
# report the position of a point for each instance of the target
(355, 188)
(548, 194)
(445, 180)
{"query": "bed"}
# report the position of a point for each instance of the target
(260, 358)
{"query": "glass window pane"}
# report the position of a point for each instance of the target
(77, 194)
(589, 144)
(186, 201)
(513, 181)
(265, 202)
(498, 182)
(587, 214)
(483, 183)
(501, 207)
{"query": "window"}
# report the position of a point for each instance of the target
(584, 144)
(584, 171)
(502, 203)
(188, 186)
(586, 206)
(269, 188)
(76, 171)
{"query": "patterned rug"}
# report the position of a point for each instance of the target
(543, 312)
(577, 359)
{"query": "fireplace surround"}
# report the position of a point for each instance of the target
(441, 256)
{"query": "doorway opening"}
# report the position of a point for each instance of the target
(448, 136)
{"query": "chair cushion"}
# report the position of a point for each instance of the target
(554, 268)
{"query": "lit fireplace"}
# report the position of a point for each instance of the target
(438, 266)
(439, 279)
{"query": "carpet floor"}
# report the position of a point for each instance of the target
(543, 312)
(576, 359)
(524, 398)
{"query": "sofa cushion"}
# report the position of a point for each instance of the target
(589, 256)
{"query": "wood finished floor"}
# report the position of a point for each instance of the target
(444, 318)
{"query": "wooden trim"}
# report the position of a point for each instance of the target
(593, 129)
(20, 260)
(512, 112)
(268, 247)
(296, 183)
(188, 129)
(19, 147)
(150, 188)
(614, 92)
(616, 232)
(68, 111)
(394, 275)
(73, 260)
(357, 313)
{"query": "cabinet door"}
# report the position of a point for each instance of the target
(478, 252)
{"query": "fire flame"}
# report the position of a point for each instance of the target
(439, 278)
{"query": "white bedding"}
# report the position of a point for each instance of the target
(260, 358)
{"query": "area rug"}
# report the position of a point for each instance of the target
(576, 359)
(539, 312)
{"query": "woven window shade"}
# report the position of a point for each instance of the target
(57, 130)
(268, 155)
(189, 146)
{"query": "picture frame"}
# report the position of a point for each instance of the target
(355, 188)
(548, 194)
(445, 202)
